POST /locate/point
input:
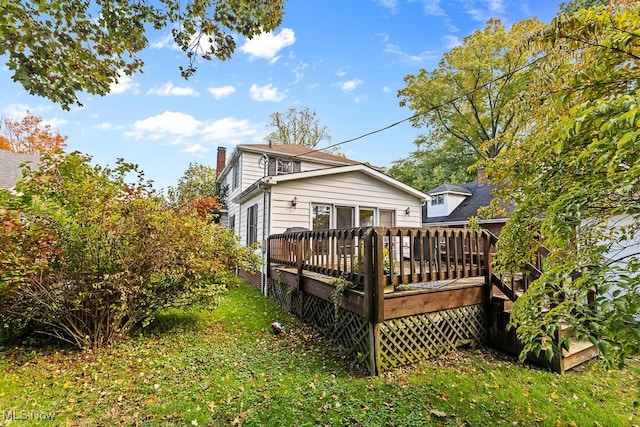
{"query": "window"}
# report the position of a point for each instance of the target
(235, 176)
(252, 224)
(344, 217)
(282, 166)
(366, 217)
(232, 222)
(321, 217)
(437, 200)
(387, 218)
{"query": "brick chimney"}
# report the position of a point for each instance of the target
(481, 178)
(221, 160)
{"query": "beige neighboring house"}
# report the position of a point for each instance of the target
(275, 188)
(10, 166)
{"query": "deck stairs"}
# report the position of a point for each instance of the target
(505, 339)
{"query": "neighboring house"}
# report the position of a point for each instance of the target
(453, 205)
(274, 188)
(10, 167)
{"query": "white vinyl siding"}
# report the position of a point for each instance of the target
(351, 189)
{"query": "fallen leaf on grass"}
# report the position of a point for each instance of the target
(437, 413)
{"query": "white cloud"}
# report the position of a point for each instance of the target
(55, 123)
(168, 89)
(481, 10)
(389, 4)
(166, 41)
(125, 84)
(267, 45)
(229, 130)
(18, 111)
(410, 58)
(266, 93)
(195, 135)
(386, 89)
(341, 73)
(350, 85)
(451, 41)
(166, 124)
(196, 149)
(104, 126)
(298, 71)
(221, 91)
(496, 6)
(432, 7)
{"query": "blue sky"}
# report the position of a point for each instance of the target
(344, 59)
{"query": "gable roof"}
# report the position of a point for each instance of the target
(288, 151)
(449, 188)
(367, 170)
(478, 196)
(10, 170)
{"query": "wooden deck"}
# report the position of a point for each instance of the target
(415, 292)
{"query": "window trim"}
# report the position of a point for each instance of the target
(252, 224)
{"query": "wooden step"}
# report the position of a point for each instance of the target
(579, 351)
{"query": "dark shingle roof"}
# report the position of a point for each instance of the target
(10, 170)
(479, 196)
(449, 188)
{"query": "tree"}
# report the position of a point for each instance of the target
(297, 126)
(575, 5)
(432, 164)
(59, 48)
(30, 136)
(469, 99)
(86, 256)
(574, 179)
(199, 184)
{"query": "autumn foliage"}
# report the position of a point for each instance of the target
(86, 257)
(30, 136)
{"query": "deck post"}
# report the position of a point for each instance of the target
(299, 260)
(488, 268)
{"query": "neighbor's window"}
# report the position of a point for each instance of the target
(366, 217)
(252, 224)
(321, 217)
(437, 200)
(232, 222)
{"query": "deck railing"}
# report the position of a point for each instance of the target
(398, 255)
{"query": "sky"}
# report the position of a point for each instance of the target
(345, 60)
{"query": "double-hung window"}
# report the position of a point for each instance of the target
(252, 224)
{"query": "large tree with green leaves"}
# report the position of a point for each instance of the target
(575, 180)
(60, 48)
(469, 98)
(297, 126)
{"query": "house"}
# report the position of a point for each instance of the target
(271, 189)
(453, 205)
(10, 166)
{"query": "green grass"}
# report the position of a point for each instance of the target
(223, 366)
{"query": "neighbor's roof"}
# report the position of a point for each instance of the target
(478, 196)
(10, 170)
(449, 188)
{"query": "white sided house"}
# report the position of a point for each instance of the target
(271, 189)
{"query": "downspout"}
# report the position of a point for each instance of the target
(266, 202)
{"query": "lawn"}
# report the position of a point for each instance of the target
(223, 366)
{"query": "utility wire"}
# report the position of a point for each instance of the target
(435, 107)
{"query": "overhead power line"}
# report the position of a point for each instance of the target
(435, 107)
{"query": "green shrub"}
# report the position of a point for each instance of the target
(85, 256)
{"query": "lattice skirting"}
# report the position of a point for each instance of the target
(409, 339)
(351, 332)
(398, 342)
